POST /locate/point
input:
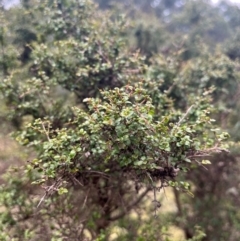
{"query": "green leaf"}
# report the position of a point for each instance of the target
(72, 154)
(138, 163)
(62, 191)
(206, 162)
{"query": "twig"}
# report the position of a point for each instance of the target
(200, 164)
(203, 155)
(46, 132)
(102, 174)
(129, 207)
(185, 115)
(76, 180)
(178, 202)
(157, 204)
(41, 200)
(54, 186)
(85, 199)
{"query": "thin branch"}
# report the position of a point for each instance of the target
(178, 202)
(129, 207)
(200, 164)
(217, 149)
(85, 199)
(76, 180)
(157, 204)
(49, 189)
(46, 132)
(41, 200)
(180, 212)
(185, 115)
(199, 156)
(101, 174)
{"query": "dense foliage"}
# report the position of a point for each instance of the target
(110, 110)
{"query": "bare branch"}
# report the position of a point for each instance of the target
(46, 132)
(129, 207)
(185, 115)
(48, 190)
(85, 199)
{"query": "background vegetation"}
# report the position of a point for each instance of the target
(105, 104)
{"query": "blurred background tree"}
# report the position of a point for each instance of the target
(57, 53)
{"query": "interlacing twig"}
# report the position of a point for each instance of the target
(49, 190)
